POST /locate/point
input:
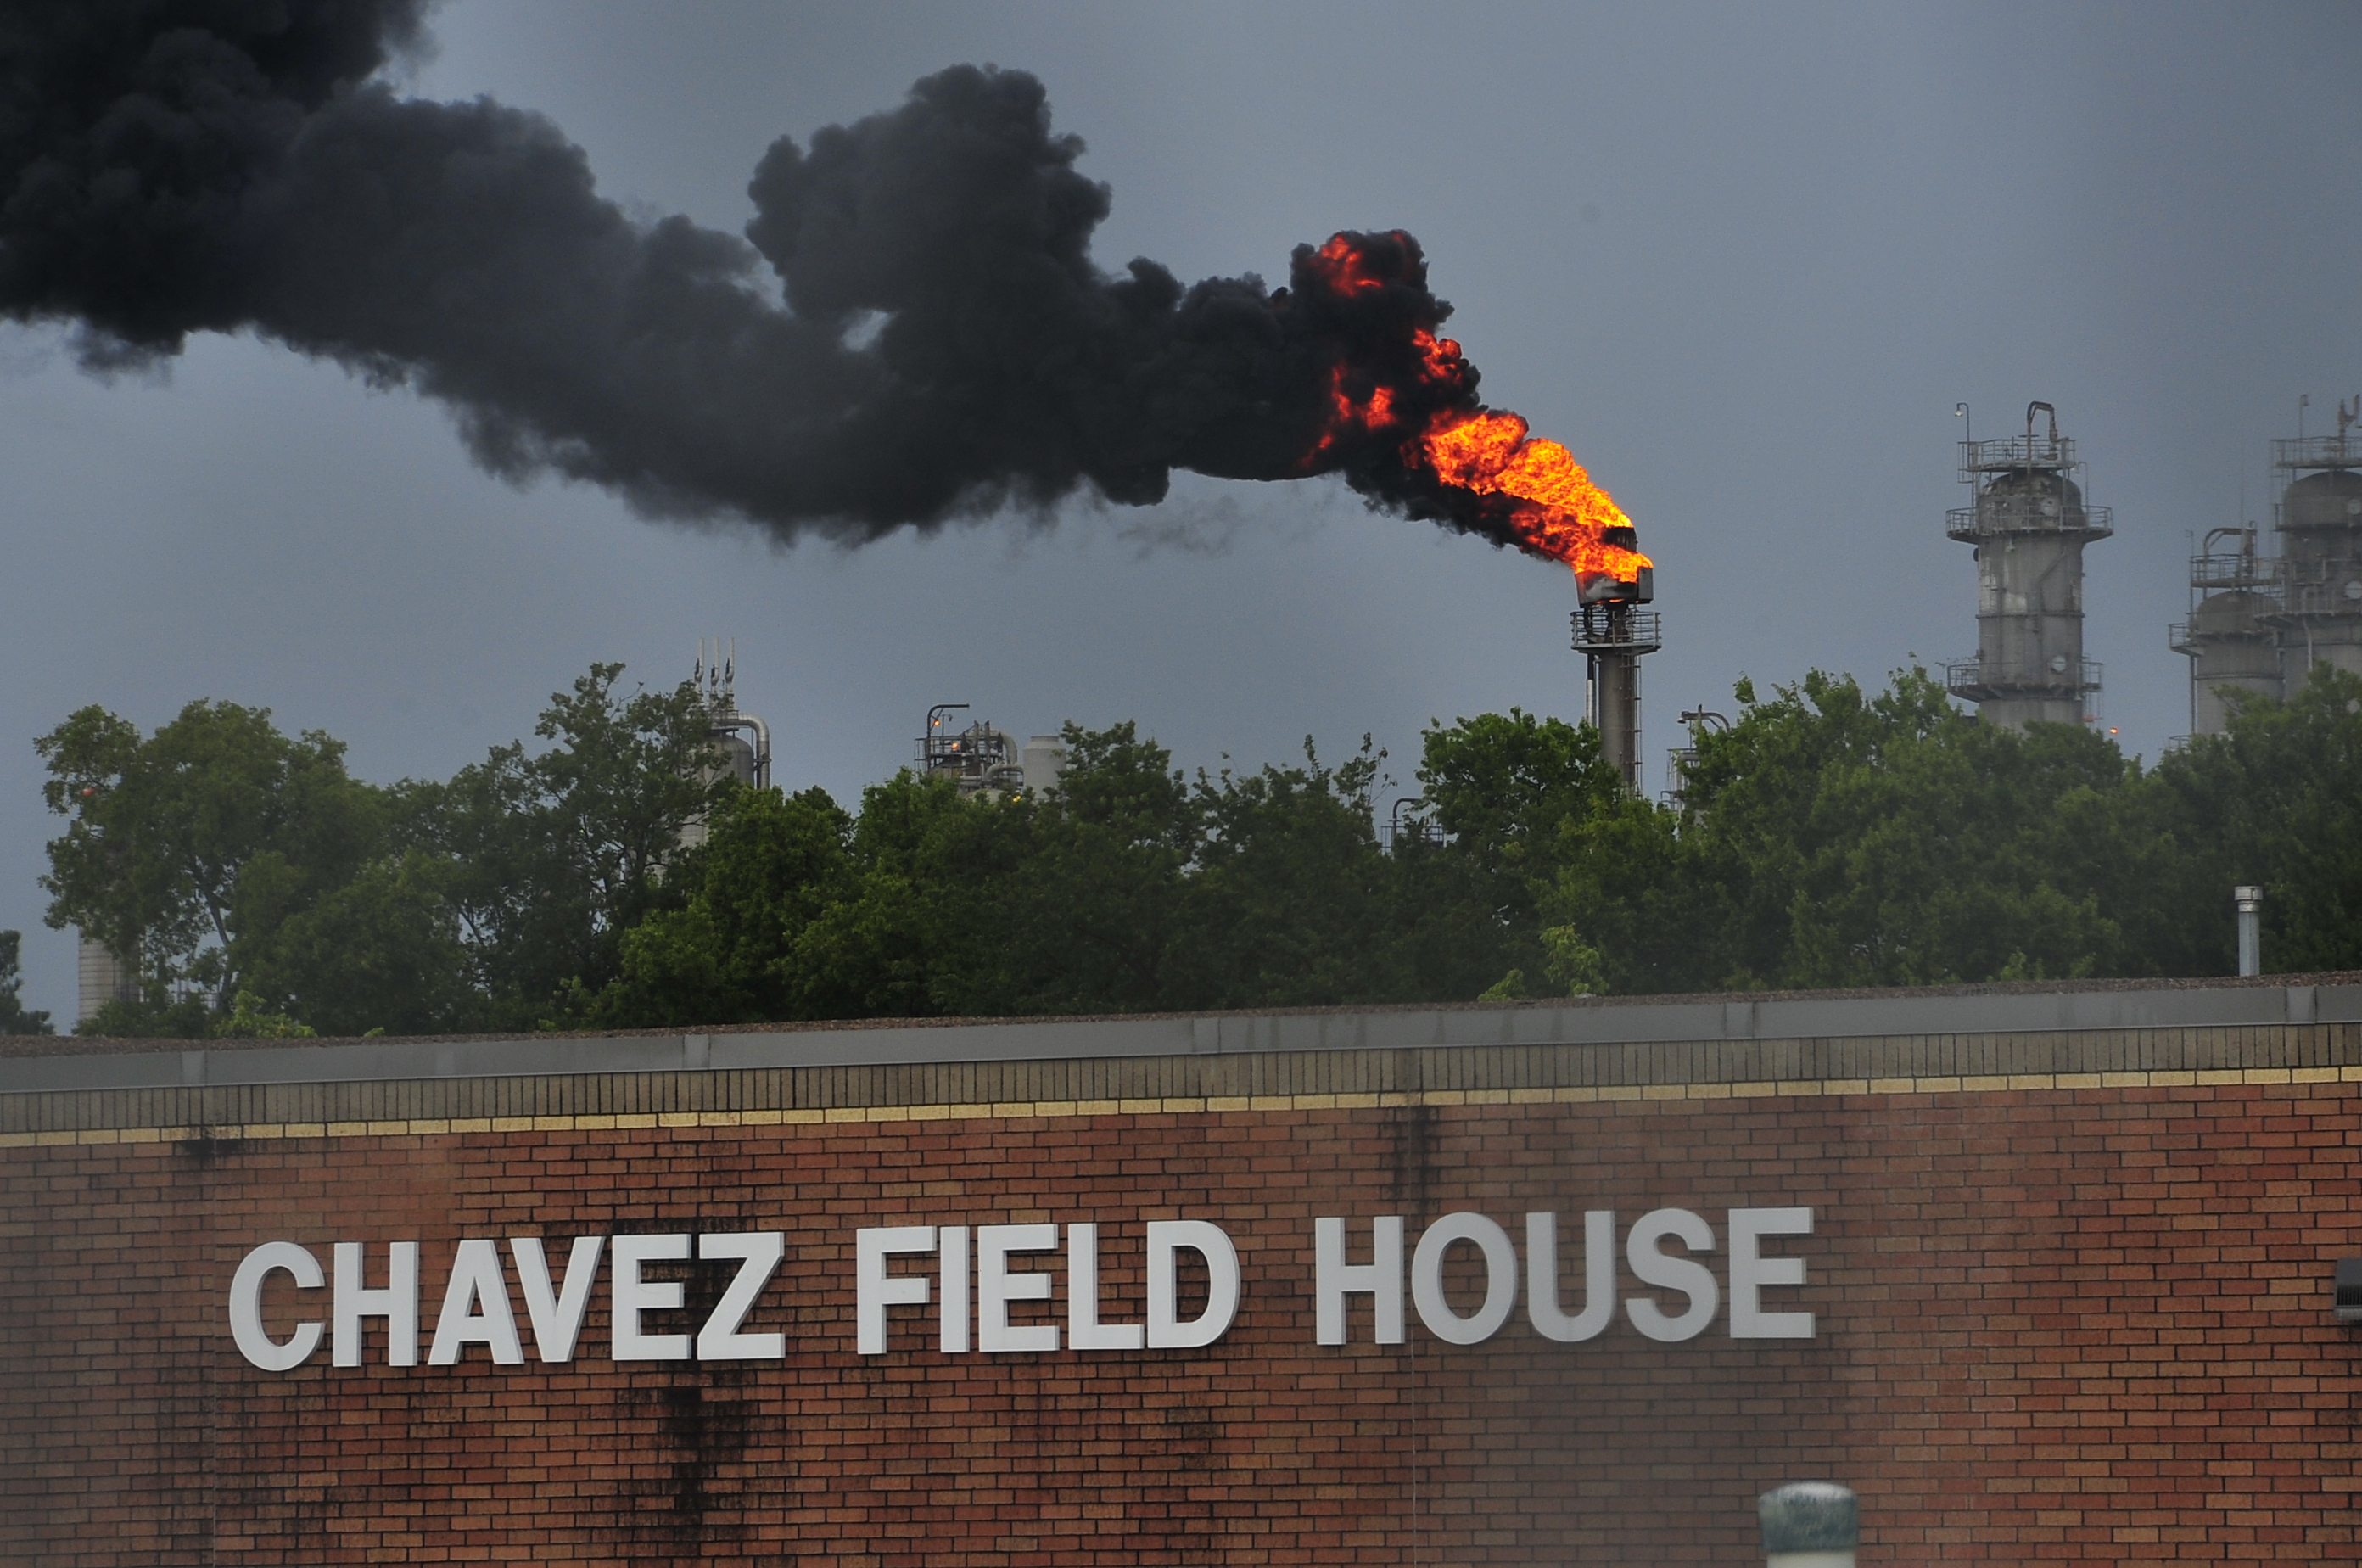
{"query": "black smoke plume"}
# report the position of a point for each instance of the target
(948, 347)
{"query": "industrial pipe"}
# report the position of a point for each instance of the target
(2251, 928)
(1809, 1524)
(762, 743)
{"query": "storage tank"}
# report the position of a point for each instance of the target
(1043, 761)
(101, 978)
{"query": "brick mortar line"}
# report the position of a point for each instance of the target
(1194, 1105)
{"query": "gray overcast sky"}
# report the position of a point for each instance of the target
(1743, 260)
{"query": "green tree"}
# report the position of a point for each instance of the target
(15, 1018)
(380, 953)
(252, 1017)
(2276, 801)
(1503, 789)
(549, 858)
(915, 933)
(1087, 916)
(1289, 903)
(1831, 838)
(770, 866)
(928, 903)
(182, 846)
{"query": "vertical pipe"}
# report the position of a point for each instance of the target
(1809, 1524)
(2251, 932)
(1618, 684)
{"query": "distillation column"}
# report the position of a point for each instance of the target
(2029, 527)
(2229, 637)
(2259, 623)
(2318, 617)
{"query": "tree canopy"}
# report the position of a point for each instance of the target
(1831, 836)
(15, 1018)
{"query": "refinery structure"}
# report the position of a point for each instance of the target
(2259, 622)
(2028, 524)
(1612, 633)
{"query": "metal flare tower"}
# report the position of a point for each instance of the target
(1612, 633)
(2029, 525)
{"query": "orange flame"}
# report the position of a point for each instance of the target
(1566, 517)
(1559, 513)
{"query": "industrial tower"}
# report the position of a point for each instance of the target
(2258, 624)
(1612, 633)
(2029, 527)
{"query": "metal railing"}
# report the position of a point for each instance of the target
(1596, 630)
(2315, 600)
(2338, 451)
(2009, 452)
(2096, 522)
(1678, 763)
(1965, 679)
(2242, 570)
(2184, 637)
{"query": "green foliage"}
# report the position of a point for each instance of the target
(15, 1018)
(222, 857)
(1288, 905)
(1499, 789)
(1089, 916)
(179, 844)
(153, 1015)
(251, 1019)
(2276, 802)
(770, 866)
(1575, 966)
(1829, 837)
(548, 859)
(382, 951)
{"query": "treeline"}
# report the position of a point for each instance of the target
(1829, 837)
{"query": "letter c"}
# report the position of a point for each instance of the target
(245, 1306)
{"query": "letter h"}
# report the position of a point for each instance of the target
(1381, 1278)
(397, 1304)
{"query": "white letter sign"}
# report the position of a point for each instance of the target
(1750, 1272)
(873, 1289)
(996, 1287)
(629, 1296)
(1380, 1279)
(245, 1306)
(1166, 1237)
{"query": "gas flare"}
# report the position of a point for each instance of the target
(911, 331)
(1522, 490)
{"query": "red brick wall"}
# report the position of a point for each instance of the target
(2054, 1326)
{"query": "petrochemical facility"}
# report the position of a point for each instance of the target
(2259, 620)
(2059, 1271)
(2028, 524)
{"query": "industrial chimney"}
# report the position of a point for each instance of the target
(2029, 527)
(1612, 632)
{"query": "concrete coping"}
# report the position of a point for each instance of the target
(1953, 1012)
